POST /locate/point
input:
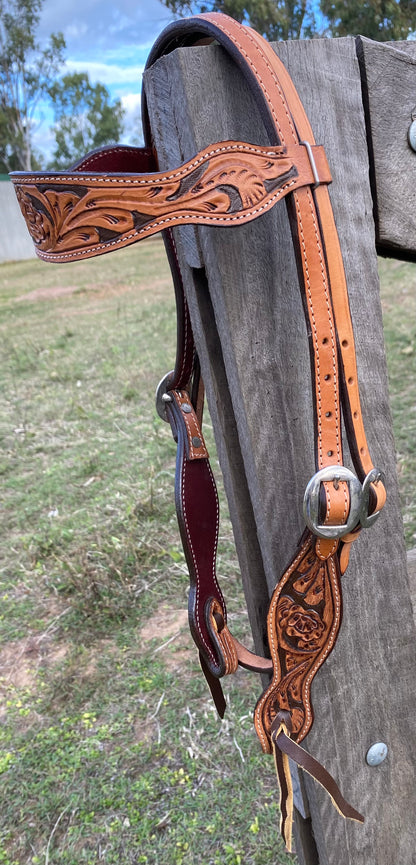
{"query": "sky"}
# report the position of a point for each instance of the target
(110, 41)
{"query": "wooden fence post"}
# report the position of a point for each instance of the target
(251, 337)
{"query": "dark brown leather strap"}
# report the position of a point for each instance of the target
(197, 508)
(284, 747)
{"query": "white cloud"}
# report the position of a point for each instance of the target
(109, 41)
(131, 102)
(107, 73)
(91, 26)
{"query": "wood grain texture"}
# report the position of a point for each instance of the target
(251, 337)
(389, 88)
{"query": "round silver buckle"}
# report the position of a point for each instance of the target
(332, 474)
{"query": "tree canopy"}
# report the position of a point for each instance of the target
(85, 118)
(293, 19)
(381, 20)
(274, 19)
(26, 73)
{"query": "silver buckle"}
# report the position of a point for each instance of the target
(373, 477)
(162, 397)
(359, 501)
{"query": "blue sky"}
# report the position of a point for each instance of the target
(110, 41)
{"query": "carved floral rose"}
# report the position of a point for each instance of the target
(38, 223)
(304, 627)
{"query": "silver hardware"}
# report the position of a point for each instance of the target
(311, 501)
(162, 397)
(411, 134)
(359, 500)
(376, 754)
(313, 163)
(373, 477)
(196, 442)
(186, 408)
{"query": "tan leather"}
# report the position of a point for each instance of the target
(251, 661)
(339, 292)
(322, 268)
(196, 447)
(78, 214)
(302, 626)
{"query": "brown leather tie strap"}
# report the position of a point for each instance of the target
(118, 195)
(284, 747)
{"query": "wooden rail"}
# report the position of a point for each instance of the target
(250, 332)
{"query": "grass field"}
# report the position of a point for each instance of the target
(110, 749)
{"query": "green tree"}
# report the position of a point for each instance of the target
(294, 19)
(381, 20)
(85, 118)
(26, 73)
(274, 19)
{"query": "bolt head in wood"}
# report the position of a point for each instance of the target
(411, 135)
(376, 754)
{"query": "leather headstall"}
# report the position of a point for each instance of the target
(114, 197)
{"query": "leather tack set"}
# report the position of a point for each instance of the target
(116, 196)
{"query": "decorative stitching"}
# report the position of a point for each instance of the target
(272, 644)
(186, 418)
(314, 328)
(331, 639)
(317, 235)
(135, 181)
(156, 223)
(217, 525)
(247, 35)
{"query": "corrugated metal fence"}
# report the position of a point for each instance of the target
(15, 243)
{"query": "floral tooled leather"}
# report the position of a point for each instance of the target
(78, 214)
(38, 220)
(302, 624)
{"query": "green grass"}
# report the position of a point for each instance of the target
(110, 749)
(399, 315)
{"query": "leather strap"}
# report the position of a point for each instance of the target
(285, 749)
(91, 209)
(116, 196)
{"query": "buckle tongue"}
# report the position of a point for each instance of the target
(359, 501)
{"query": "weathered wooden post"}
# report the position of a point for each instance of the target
(250, 332)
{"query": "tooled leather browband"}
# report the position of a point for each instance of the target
(81, 213)
(116, 196)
